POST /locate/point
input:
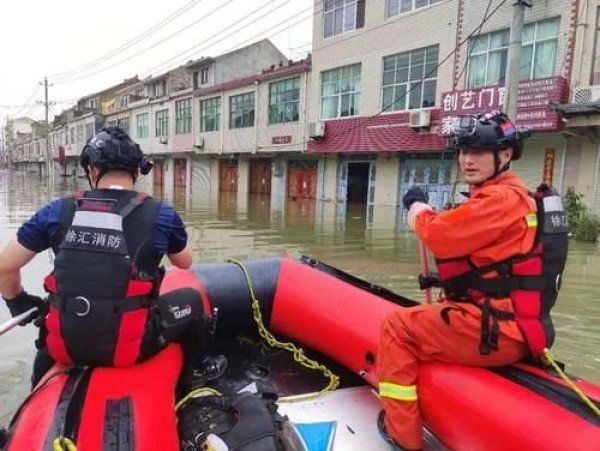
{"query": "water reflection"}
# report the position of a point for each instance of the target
(232, 226)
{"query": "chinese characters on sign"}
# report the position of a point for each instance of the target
(281, 139)
(549, 166)
(532, 103)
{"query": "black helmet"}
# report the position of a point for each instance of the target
(112, 149)
(493, 131)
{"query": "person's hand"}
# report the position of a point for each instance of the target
(25, 301)
(414, 194)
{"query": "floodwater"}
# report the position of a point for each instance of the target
(226, 229)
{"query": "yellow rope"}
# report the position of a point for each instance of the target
(298, 353)
(63, 444)
(202, 391)
(548, 359)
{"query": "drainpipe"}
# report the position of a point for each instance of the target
(304, 124)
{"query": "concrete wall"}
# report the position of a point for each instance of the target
(246, 61)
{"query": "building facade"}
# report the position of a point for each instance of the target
(379, 105)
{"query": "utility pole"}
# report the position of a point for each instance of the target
(49, 162)
(513, 68)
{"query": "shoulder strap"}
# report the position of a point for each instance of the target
(135, 202)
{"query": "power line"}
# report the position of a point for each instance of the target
(164, 22)
(28, 101)
(196, 48)
(129, 58)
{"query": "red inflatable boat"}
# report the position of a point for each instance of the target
(332, 314)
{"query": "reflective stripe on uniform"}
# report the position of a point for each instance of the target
(531, 220)
(399, 392)
(98, 219)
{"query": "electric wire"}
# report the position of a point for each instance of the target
(164, 22)
(144, 50)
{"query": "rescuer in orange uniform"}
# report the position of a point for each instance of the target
(497, 222)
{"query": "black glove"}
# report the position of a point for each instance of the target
(24, 302)
(414, 194)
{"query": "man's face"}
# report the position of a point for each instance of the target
(478, 165)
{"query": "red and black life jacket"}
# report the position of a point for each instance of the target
(106, 278)
(532, 281)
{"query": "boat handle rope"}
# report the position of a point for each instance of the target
(297, 352)
(63, 444)
(548, 359)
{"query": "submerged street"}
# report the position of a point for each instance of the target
(227, 229)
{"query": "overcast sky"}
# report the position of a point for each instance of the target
(63, 39)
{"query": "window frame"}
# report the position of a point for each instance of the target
(413, 7)
(210, 113)
(275, 102)
(357, 21)
(535, 42)
(142, 129)
(161, 121)
(356, 93)
(487, 53)
(127, 120)
(183, 116)
(246, 112)
(409, 82)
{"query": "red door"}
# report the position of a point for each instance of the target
(159, 177)
(260, 176)
(302, 180)
(180, 176)
(228, 176)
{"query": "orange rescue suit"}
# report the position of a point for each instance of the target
(491, 226)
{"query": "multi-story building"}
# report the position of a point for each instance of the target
(251, 135)
(582, 111)
(164, 118)
(387, 80)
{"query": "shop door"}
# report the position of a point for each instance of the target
(260, 177)
(228, 176)
(430, 172)
(302, 180)
(159, 179)
(180, 176)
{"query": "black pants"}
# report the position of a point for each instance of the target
(179, 317)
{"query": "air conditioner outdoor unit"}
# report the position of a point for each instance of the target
(199, 142)
(419, 118)
(586, 94)
(316, 129)
(163, 140)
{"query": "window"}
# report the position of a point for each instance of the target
(183, 116)
(158, 89)
(210, 114)
(283, 101)
(489, 54)
(162, 123)
(89, 131)
(111, 124)
(241, 111)
(487, 59)
(79, 132)
(401, 6)
(123, 101)
(342, 15)
(540, 45)
(340, 92)
(410, 79)
(124, 124)
(143, 125)
(204, 76)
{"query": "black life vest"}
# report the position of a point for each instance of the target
(532, 280)
(105, 281)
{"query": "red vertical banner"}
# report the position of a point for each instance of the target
(549, 165)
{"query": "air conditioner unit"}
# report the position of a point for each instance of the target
(419, 118)
(199, 142)
(316, 129)
(586, 94)
(163, 140)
